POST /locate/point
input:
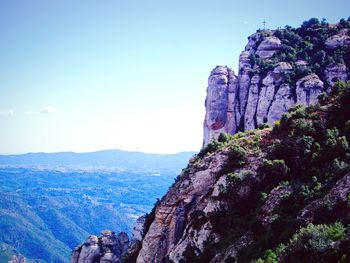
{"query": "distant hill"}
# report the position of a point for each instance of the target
(108, 159)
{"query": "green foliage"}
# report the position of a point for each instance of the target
(313, 243)
(312, 22)
(274, 168)
(304, 43)
(263, 65)
(212, 146)
(310, 149)
(237, 155)
(344, 23)
(269, 257)
(224, 137)
(263, 196)
(239, 176)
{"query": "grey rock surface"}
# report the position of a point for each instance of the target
(268, 47)
(244, 101)
(137, 231)
(108, 248)
(308, 89)
(336, 72)
(338, 40)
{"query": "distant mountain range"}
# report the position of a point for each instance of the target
(118, 159)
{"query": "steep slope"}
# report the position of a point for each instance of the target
(278, 69)
(280, 194)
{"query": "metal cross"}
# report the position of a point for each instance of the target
(264, 23)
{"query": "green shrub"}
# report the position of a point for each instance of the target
(237, 155)
(238, 177)
(274, 168)
(224, 137)
(312, 243)
(269, 257)
(310, 23)
(212, 146)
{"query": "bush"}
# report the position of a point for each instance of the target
(238, 177)
(274, 168)
(312, 243)
(224, 137)
(310, 23)
(237, 155)
(269, 257)
(209, 148)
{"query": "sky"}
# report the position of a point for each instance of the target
(89, 75)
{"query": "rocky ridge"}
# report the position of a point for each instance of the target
(262, 90)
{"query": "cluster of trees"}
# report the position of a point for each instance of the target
(305, 43)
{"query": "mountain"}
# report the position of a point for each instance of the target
(50, 202)
(256, 192)
(278, 69)
(278, 194)
(116, 159)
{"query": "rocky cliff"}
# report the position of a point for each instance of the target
(278, 69)
(268, 195)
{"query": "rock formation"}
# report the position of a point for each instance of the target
(108, 248)
(254, 96)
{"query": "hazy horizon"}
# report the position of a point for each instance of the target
(86, 76)
(103, 150)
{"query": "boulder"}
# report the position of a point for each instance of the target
(268, 47)
(338, 40)
(336, 72)
(308, 89)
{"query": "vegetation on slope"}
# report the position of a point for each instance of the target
(291, 172)
(305, 43)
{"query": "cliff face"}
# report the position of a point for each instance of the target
(277, 70)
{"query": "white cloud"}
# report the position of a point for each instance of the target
(50, 110)
(45, 110)
(7, 113)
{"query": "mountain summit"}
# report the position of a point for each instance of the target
(278, 69)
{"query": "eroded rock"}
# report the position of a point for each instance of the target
(108, 248)
(338, 40)
(308, 89)
(268, 47)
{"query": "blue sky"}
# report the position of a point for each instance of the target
(89, 75)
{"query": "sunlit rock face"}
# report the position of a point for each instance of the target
(220, 96)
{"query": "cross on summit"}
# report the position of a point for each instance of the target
(264, 23)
